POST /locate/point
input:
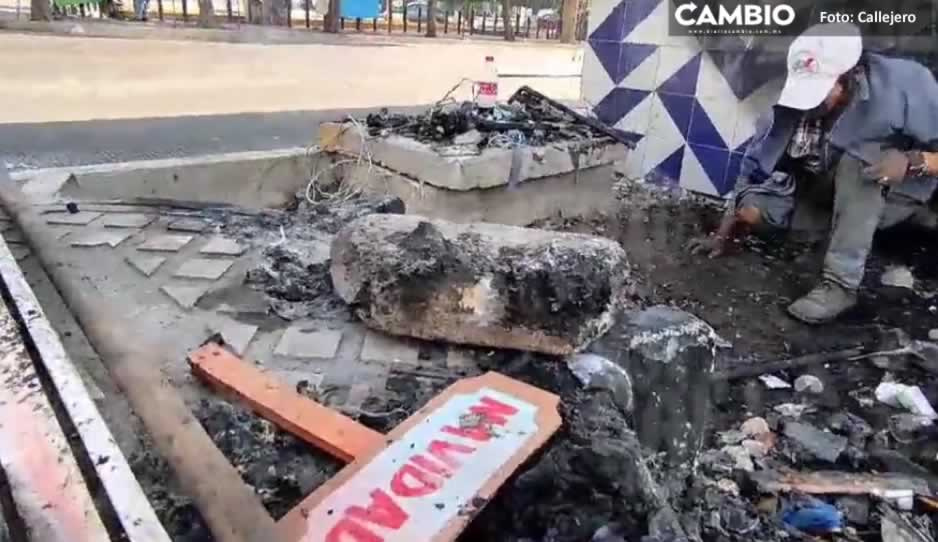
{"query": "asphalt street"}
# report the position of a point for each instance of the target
(58, 144)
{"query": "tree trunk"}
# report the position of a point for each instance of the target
(431, 18)
(40, 10)
(275, 12)
(506, 19)
(333, 16)
(206, 13)
(568, 21)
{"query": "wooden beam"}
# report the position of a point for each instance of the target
(320, 426)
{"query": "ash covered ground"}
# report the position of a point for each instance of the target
(582, 485)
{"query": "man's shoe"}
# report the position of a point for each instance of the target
(823, 304)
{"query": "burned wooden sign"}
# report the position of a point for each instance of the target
(438, 470)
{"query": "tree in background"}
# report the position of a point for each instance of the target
(206, 13)
(506, 20)
(332, 20)
(40, 10)
(274, 11)
(431, 18)
(568, 15)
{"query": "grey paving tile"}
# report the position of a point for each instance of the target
(126, 220)
(237, 335)
(381, 347)
(191, 225)
(304, 341)
(13, 237)
(145, 263)
(222, 246)
(203, 268)
(97, 238)
(165, 242)
(184, 296)
(81, 218)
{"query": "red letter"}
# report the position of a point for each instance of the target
(440, 449)
(382, 511)
(494, 411)
(426, 482)
(347, 529)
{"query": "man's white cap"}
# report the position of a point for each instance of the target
(816, 59)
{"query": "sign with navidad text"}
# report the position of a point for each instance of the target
(439, 467)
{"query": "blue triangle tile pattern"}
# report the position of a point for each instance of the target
(714, 162)
(613, 26)
(702, 131)
(745, 70)
(637, 11)
(608, 54)
(680, 108)
(684, 80)
(631, 57)
(670, 168)
(618, 103)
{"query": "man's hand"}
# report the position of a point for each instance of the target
(713, 246)
(891, 169)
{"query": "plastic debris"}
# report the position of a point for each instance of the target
(909, 397)
(597, 372)
(898, 276)
(728, 486)
(813, 516)
(809, 384)
(755, 426)
(791, 410)
(774, 382)
(903, 499)
(741, 458)
(756, 448)
(821, 444)
(907, 427)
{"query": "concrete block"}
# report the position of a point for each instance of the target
(202, 268)
(165, 242)
(304, 341)
(585, 192)
(381, 347)
(479, 284)
(99, 238)
(145, 263)
(467, 171)
(126, 220)
(184, 296)
(81, 218)
(222, 246)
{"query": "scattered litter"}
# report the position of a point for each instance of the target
(895, 528)
(72, 208)
(606, 534)
(836, 483)
(472, 137)
(898, 276)
(597, 372)
(755, 427)
(906, 427)
(728, 486)
(813, 516)
(756, 448)
(856, 509)
(774, 383)
(741, 457)
(731, 437)
(809, 384)
(852, 426)
(821, 444)
(908, 397)
(903, 499)
(791, 410)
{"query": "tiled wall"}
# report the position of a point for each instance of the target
(694, 109)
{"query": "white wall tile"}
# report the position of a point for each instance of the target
(693, 176)
(671, 59)
(599, 10)
(644, 76)
(595, 82)
(638, 119)
(723, 113)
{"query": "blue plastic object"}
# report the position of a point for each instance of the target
(813, 516)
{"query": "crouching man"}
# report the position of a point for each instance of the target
(859, 124)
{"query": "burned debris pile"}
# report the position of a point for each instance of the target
(528, 118)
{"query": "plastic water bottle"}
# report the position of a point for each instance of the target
(487, 87)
